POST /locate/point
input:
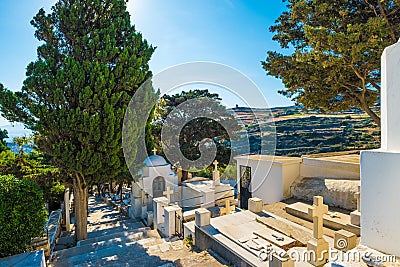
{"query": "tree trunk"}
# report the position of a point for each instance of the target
(185, 175)
(372, 114)
(99, 191)
(81, 206)
(120, 189)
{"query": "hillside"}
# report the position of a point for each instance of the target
(299, 133)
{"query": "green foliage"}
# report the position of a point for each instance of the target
(3, 144)
(230, 173)
(23, 141)
(89, 66)
(206, 172)
(188, 241)
(34, 167)
(335, 63)
(90, 63)
(22, 214)
(197, 129)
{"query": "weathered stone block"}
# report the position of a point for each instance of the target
(345, 240)
(355, 218)
(255, 204)
(203, 217)
(319, 249)
(278, 261)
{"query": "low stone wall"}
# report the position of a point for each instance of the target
(205, 242)
(336, 192)
(32, 259)
(338, 167)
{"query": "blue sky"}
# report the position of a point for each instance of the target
(230, 32)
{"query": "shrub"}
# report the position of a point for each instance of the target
(22, 214)
(188, 241)
(230, 173)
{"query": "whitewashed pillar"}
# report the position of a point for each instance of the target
(159, 204)
(170, 213)
(67, 208)
(380, 181)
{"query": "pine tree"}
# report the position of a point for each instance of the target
(217, 125)
(334, 51)
(75, 95)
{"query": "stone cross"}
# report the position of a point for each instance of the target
(228, 208)
(216, 165)
(357, 196)
(154, 151)
(168, 194)
(317, 212)
(216, 178)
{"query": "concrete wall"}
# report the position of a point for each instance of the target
(290, 172)
(325, 168)
(380, 217)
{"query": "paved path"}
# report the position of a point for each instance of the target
(115, 240)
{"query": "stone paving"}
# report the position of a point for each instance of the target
(130, 243)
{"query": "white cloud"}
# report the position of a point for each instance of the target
(4, 122)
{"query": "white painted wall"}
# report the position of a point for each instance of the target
(290, 172)
(271, 176)
(322, 168)
(171, 179)
(380, 216)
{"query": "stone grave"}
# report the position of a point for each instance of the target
(318, 244)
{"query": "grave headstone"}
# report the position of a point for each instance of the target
(216, 174)
(168, 194)
(318, 245)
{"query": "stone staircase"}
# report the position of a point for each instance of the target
(113, 240)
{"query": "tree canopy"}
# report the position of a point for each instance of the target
(215, 124)
(334, 49)
(90, 64)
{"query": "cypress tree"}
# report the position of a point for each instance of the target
(90, 64)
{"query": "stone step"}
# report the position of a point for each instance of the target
(113, 221)
(131, 255)
(111, 224)
(114, 235)
(88, 248)
(336, 222)
(105, 255)
(117, 228)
